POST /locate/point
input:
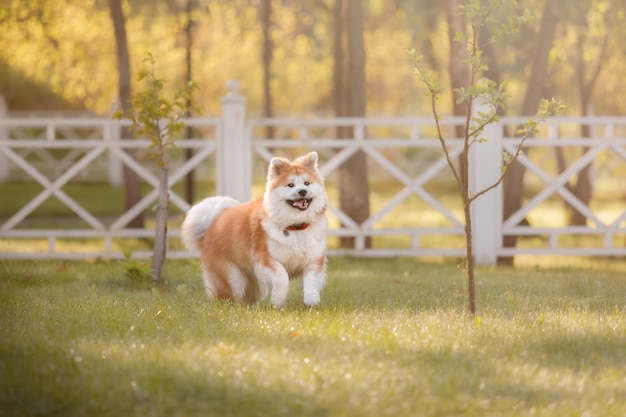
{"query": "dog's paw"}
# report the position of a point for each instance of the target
(278, 303)
(311, 298)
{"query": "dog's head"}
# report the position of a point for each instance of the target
(294, 191)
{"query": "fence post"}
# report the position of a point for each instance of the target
(234, 153)
(485, 168)
(4, 134)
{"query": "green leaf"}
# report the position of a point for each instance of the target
(118, 115)
(142, 74)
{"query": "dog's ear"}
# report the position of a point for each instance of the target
(277, 166)
(309, 160)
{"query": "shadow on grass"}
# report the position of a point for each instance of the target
(67, 383)
(219, 376)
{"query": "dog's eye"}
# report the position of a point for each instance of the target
(291, 185)
(307, 183)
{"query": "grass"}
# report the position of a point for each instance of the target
(390, 338)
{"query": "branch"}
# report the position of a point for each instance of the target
(442, 141)
(482, 126)
(546, 108)
(518, 151)
(599, 63)
(323, 5)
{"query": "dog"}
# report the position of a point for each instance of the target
(249, 249)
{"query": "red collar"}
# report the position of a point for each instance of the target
(300, 226)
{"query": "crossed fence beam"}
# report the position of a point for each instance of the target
(345, 147)
(414, 186)
(557, 185)
(96, 148)
(89, 150)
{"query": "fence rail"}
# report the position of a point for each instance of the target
(409, 216)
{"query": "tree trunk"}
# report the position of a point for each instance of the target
(457, 70)
(514, 180)
(189, 180)
(467, 212)
(489, 55)
(340, 92)
(268, 53)
(132, 190)
(160, 232)
(339, 89)
(353, 174)
(583, 189)
(471, 288)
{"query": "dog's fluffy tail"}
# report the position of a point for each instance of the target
(199, 218)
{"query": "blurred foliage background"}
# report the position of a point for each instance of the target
(61, 54)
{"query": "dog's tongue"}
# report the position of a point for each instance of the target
(301, 204)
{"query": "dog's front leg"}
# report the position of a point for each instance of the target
(275, 275)
(313, 281)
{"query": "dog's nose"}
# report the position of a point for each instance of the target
(302, 193)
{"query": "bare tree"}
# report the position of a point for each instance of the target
(353, 182)
(158, 118)
(132, 191)
(268, 53)
(535, 91)
(458, 72)
(339, 89)
(189, 178)
(586, 79)
(492, 96)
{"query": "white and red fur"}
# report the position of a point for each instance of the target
(249, 249)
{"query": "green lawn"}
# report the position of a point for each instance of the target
(391, 337)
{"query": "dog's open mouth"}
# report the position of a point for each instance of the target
(300, 204)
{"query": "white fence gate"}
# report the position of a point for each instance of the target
(410, 215)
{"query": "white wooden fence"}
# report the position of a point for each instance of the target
(409, 216)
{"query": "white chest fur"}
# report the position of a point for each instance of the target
(295, 249)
